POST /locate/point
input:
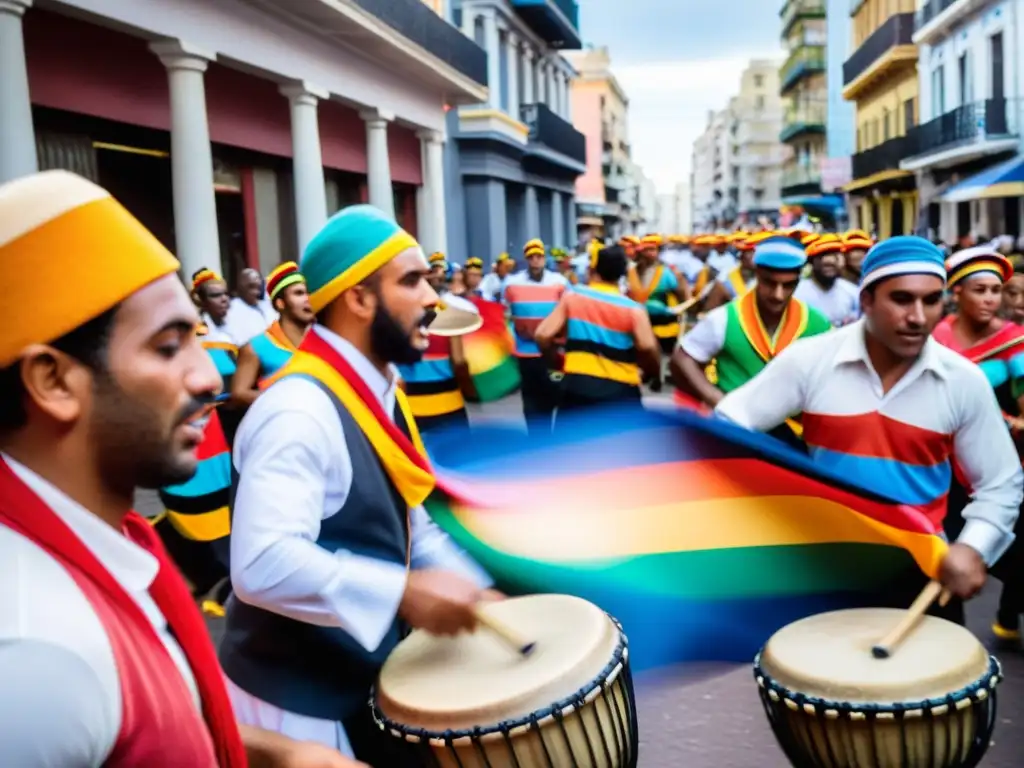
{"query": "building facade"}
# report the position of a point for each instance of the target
(513, 162)
(756, 124)
(840, 117)
(233, 129)
(710, 168)
(674, 215)
(804, 90)
(969, 78)
(880, 77)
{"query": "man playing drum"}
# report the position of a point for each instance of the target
(328, 516)
(887, 406)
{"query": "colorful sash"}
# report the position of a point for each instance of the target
(737, 283)
(638, 291)
(791, 326)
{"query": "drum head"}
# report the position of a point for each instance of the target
(440, 683)
(829, 656)
(456, 317)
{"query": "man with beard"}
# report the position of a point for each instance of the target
(104, 387)
(824, 289)
(250, 313)
(333, 556)
(474, 272)
(266, 353)
(887, 406)
(856, 244)
(741, 279)
(493, 286)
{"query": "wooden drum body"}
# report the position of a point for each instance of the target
(831, 704)
(472, 702)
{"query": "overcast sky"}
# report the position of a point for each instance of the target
(677, 59)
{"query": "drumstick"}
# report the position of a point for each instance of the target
(917, 609)
(502, 630)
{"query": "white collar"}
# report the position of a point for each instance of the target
(382, 387)
(853, 350)
(131, 566)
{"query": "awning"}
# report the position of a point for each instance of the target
(1003, 180)
(829, 204)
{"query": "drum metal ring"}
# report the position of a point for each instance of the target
(620, 747)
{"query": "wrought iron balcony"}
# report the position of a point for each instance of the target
(557, 22)
(800, 178)
(931, 10)
(885, 157)
(993, 118)
(554, 132)
(803, 117)
(803, 61)
(414, 20)
(794, 10)
(897, 30)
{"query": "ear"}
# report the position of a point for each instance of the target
(361, 302)
(55, 384)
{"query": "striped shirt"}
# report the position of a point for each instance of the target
(600, 351)
(901, 442)
(529, 302)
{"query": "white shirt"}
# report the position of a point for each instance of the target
(705, 340)
(548, 277)
(492, 286)
(722, 262)
(295, 471)
(942, 392)
(60, 694)
(689, 266)
(840, 303)
(245, 322)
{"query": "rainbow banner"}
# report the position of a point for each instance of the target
(489, 354)
(700, 537)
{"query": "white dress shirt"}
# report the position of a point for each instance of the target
(942, 392)
(295, 470)
(60, 694)
(705, 340)
(245, 322)
(218, 333)
(491, 286)
(840, 303)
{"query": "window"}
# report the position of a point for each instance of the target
(995, 46)
(938, 91)
(759, 102)
(886, 125)
(908, 115)
(759, 81)
(964, 72)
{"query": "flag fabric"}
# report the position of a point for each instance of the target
(489, 354)
(700, 537)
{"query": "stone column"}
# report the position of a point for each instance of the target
(492, 44)
(17, 136)
(378, 162)
(532, 213)
(197, 240)
(529, 76)
(512, 67)
(570, 222)
(552, 91)
(307, 160)
(567, 97)
(557, 220)
(435, 237)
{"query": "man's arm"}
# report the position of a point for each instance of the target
(717, 297)
(552, 327)
(696, 349)
(433, 548)
(266, 749)
(648, 351)
(773, 395)
(247, 372)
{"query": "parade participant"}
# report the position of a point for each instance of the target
(266, 353)
(976, 277)
(474, 273)
(824, 289)
(609, 339)
(564, 266)
(493, 286)
(531, 295)
(630, 245)
(438, 277)
(746, 334)
(210, 294)
(720, 258)
(699, 273)
(856, 244)
(250, 312)
(659, 288)
(333, 554)
(741, 279)
(104, 657)
(887, 406)
(1013, 292)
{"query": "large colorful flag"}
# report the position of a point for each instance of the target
(702, 538)
(489, 354)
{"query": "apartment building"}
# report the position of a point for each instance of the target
(513, 162)
(674, 212)
(710, 167)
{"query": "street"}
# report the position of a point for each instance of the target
(708, 715)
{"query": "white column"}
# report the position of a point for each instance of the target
(432, 147)
(557, 222)
(532, 212)
(17, 136)
(529, 76)
(567, 97)
(492, 44)
(552, 91)
(195, 206)
(512, 56)
(378, 162)
(307, 160)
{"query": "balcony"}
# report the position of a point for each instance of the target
(965, 133)
(888, 49)
(803, 117)
(550, 133)
(885, 157)
(801, 180)
(936, 18)
(557, 22)
(804, 61)
(795, 10)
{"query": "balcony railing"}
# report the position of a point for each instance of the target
(556, 21)
(414, 20)
(966, 124)
(930, 10)
(553, 132)
(897, 30)
(884, 157)
(803, 61)
(800, 176)
(797, 9)
(802, 117)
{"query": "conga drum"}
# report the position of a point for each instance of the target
(831, 704)
(471, 701)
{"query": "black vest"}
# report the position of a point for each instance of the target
(317, 671)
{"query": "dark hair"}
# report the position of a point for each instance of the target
(87, 343)
(611, 263)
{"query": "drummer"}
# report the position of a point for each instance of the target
(328, 513)
(886, 405)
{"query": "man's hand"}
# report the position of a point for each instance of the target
(440, 602)
(266, 749)
(963, 572)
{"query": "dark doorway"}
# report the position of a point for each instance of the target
(231, 234)
(897, 217)
(141, 181)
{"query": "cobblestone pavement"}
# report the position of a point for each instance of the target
(709, 715)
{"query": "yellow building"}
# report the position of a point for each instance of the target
(881, 77)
